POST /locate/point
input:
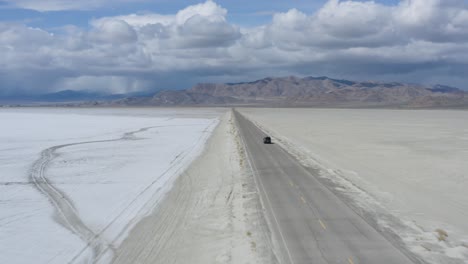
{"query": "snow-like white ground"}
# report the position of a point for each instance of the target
(413, 162)
(107, 167)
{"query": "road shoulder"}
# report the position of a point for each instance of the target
(211, 215)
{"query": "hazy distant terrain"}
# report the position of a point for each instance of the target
(308, 92)
(278, 92)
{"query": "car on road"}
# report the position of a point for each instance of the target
(267, 140)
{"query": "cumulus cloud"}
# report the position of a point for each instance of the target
(433, 20)
(416, 40)
(197, 26)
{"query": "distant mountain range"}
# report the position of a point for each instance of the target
(279, 92)
(307, 92)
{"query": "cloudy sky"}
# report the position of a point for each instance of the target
(137, 45)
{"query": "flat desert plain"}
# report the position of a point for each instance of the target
(74, 182)
(412, 164)
(126, 185)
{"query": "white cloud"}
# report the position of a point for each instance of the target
(114, 31)
(418, 40)
(197, 26)
(352, 19)
(433, 20)
(209, 10)
(138, 20)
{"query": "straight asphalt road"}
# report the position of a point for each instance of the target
(309, 223)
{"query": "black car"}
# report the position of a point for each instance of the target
(267, 140)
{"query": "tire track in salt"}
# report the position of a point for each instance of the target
(66, 211)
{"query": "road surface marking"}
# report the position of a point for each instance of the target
(350, 260)
(259, 184)
(303, 200)
(291, 183)
(323, 225)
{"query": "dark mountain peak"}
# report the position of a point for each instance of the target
(344, 82)
(321, 78)
(290, 78)
(264, 80)
(66, 92)
(325, 78)
(439, 88)
(392, 84)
